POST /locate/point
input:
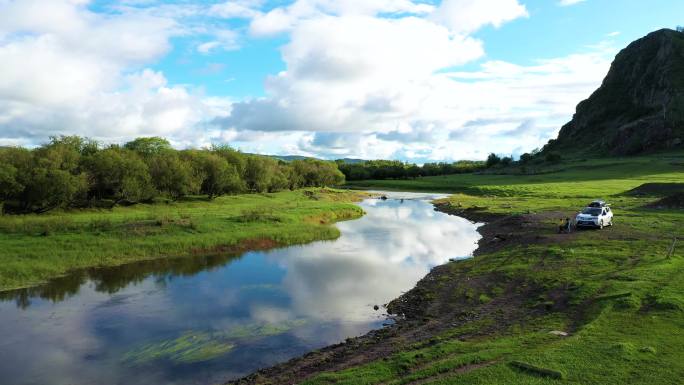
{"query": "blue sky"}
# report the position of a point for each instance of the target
(402, 79)
(550, 31)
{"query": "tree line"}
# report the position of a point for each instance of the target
(71, 171)
(393, 169)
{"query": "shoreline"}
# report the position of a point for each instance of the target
(408, 311)
(83, 240)
(532, 301)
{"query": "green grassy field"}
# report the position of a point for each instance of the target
(617, 292)
(38, 247)
(587, 178)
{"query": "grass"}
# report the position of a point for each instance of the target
(577, 179)
(36, 248)
(618, 292)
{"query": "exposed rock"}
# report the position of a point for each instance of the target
(639, 107)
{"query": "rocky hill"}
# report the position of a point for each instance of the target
(639, 108)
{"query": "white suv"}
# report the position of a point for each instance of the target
(593, 216)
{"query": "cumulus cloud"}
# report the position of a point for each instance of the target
(466, 16)
(360, 85)
(361, 78)
(353, 73)
(66, 69)
(240, 9)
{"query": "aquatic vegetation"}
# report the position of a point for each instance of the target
(190, 347)
(199, 346)
(263, 330)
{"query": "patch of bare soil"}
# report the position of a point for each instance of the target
(675, 201)
(657, 189)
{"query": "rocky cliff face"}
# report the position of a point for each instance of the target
(639, 108)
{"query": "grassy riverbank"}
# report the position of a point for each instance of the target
(38, 247)
(534, 306)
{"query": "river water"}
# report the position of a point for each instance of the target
(208, 320)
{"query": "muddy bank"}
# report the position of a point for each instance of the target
(437, 303)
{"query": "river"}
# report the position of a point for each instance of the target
(206, 320)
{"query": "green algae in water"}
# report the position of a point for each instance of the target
(190, 347)
(197, 346)
(263, 330)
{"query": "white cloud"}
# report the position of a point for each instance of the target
(284, 19)
(362, 78)
(345, 73)
(65, 69)
(366, 86)
(466, 16)
(565, 3)
(241, 9)
(225, 39)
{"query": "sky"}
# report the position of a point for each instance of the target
(413, 80)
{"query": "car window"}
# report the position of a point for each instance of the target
(592, 211)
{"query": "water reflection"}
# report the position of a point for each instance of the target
(112, 279)
(204, 320)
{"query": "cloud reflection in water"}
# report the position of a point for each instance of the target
(76, 330)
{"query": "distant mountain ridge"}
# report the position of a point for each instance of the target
(290, 158)
(639, 107)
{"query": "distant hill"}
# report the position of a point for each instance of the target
(639, 107)
(290, 158)
(351, 160)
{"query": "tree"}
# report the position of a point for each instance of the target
(413, 171)
(218, 177)
(119, 174)
(53, 188)
(84, 146)
(553, 157)
(492, 160)
(259, 172)
(51, 175)
(148, 146)
(234, 157)
(284, 178)
(317, 173)
(173, 176)
(15, 169)
(506, 161)
(9, 186)
(525, 158)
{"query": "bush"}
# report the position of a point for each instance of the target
(70, 171)
(525, 158)
(553, 157)
(492, 160)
